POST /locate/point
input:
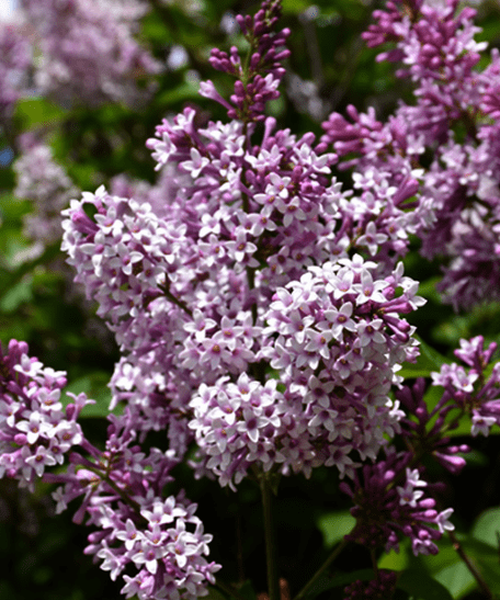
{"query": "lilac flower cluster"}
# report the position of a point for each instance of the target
(46, 184)
(87, 50)
(335, 339)
(391, 497)
(35, 430)
(452, 122)
(471, 393)
(126, 259)
(472, 390)
(135, 524)
(121, 486)
(16, 54)
(390, 500)
(186, 288)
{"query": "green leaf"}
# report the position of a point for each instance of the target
(487, 527)
(421, 586)
(295, 7)
(155, 30)
(448, 568)
(428, 361)
(95, 386)
(18, 294)
(464, 427)
(38, 111)
(445, 558)
(334, 526)
(184, 91)
(12, 209)
(486, 559)
(457, 579)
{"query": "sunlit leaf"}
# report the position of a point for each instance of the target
(487, 527)
(334, 526)
(457, 579)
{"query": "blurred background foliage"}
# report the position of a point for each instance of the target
(329, 68)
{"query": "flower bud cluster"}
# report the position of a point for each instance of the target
(424, 429)
(257, 82)
(35, 431)
(381, 588)
(389, 501)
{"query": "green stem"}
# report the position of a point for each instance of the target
(168, 294)
(338, 549)
(123, 495)
(474, 572)
(272, 575)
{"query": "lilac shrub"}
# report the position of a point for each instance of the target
(260, 312)
(195, 294)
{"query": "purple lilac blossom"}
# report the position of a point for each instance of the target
(390, 501)
(16, 59)
(135, 525)
(45, 183)
(336, 352)
(470, 389)
(87, 50)
(121, 487)
(197, 300)
(452, 120)
(36, 432)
